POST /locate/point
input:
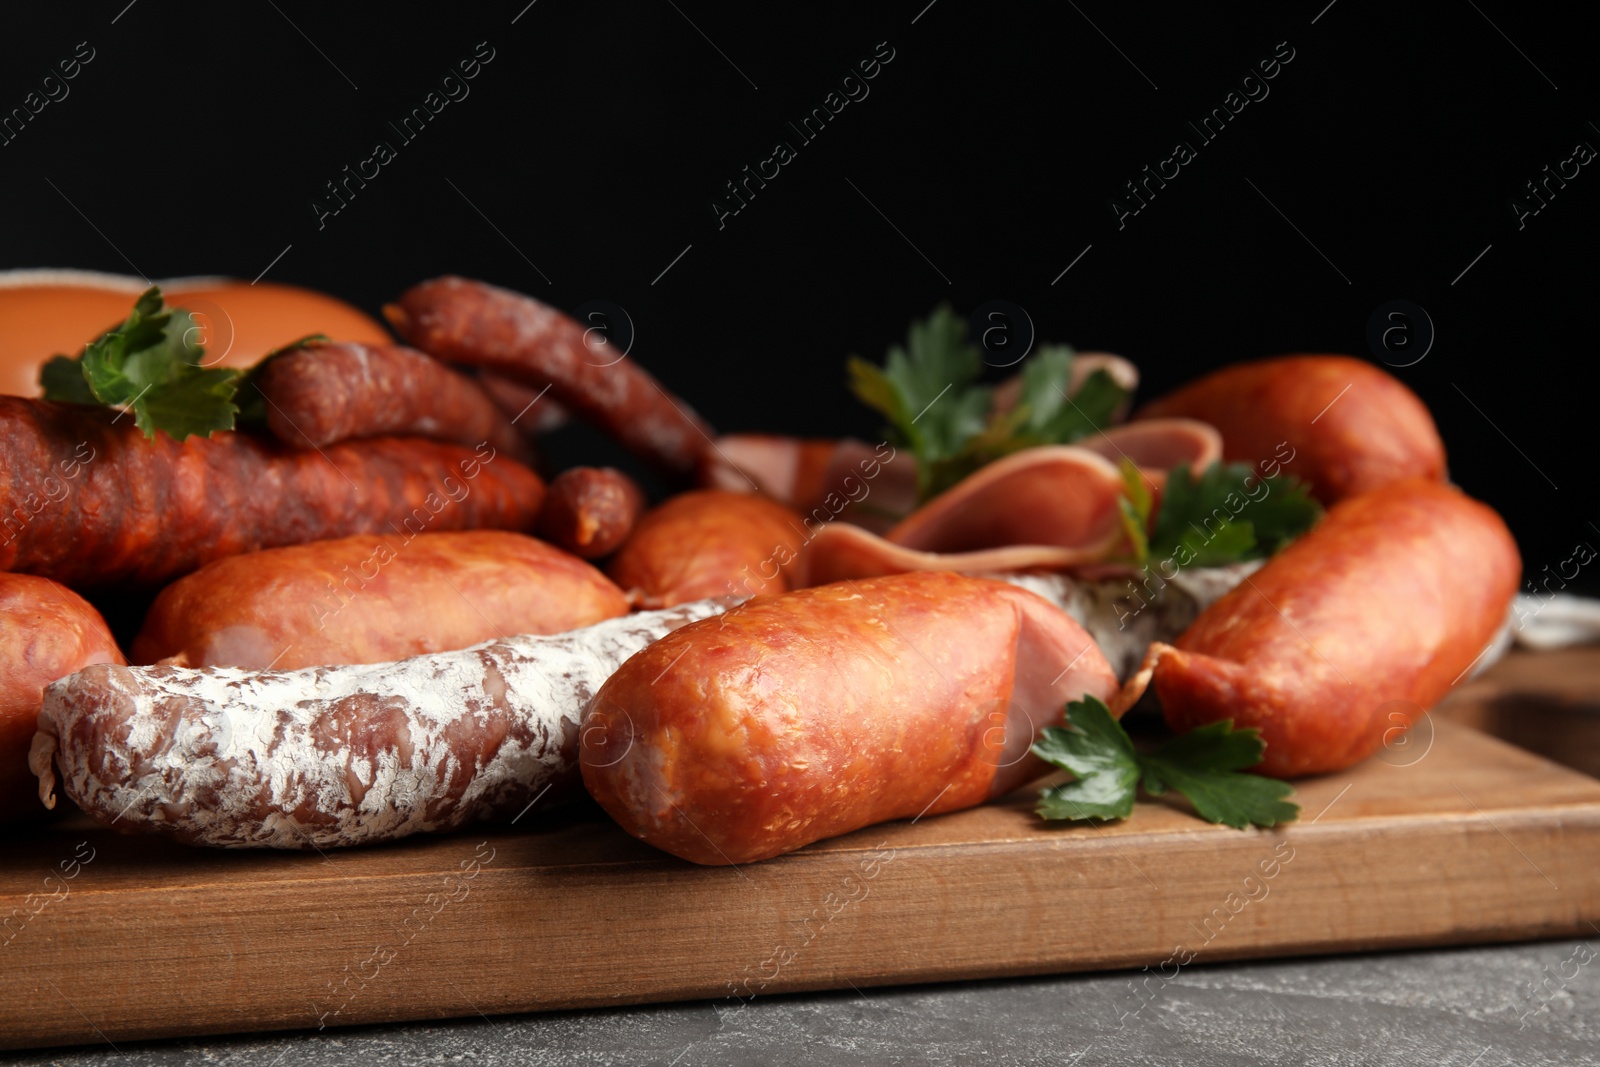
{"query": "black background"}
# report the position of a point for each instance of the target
(594, 142)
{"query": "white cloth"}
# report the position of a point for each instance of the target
(1557, 621)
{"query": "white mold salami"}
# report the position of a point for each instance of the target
(333, 756)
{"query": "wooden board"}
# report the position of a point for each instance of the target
(1465, 840)
(1548, 702)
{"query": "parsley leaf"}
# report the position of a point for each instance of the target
(1098, 752)
(1204, 765)
(927, 392)
(62, 379)
(939, 412)
(1226, 514)
(150, 365)
(1135, 504)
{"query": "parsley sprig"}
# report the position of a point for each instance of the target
(1225, 514)
(939, 412)
(1204, 765)
(151, 365)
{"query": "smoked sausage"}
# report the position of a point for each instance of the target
(517, 337)
(371, 598)
(589, 511)
(1338, 423)
(322, 393)
(333, 756)
(803, 716)
(1347, 634)
(709, 542)
(846, 479)
(46, 631)
(87, 500)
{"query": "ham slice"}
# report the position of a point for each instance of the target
(869, 485)
(1048, 508)
(801, 473)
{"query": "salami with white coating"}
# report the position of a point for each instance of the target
(333, 756)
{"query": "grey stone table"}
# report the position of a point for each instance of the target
(1473, 1007)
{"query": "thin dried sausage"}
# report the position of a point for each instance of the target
(319, 394)
(516, 336)
(590, 511)
(88, 500)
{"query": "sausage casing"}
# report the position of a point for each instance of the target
(1348, 634)
(1336, 422)
(818, 712)
(46, 631)
(590, 511)
(324, 393)
(371, 598)
(709, 542)
(88, 500)
(332, 756)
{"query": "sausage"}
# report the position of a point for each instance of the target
(371, 598)
(46, 631)
(811, 714)
(709, 542)
(332, 756)
(869, 486)
(1347, 634)
(531, 411)
(88, 500)
(513, 335)
(322, 393)
(1340, 424)
(589, 511)
(1124, 617)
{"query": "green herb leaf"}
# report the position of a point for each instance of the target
(926, 391)
(150, 365)
(1204, 765)
(1135, 503)
(1096, 749)
(1088, 410)
(1228, 513)
(1043, 380)
(62, 379)
(939, 412)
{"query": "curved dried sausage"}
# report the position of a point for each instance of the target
(1343, 425)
